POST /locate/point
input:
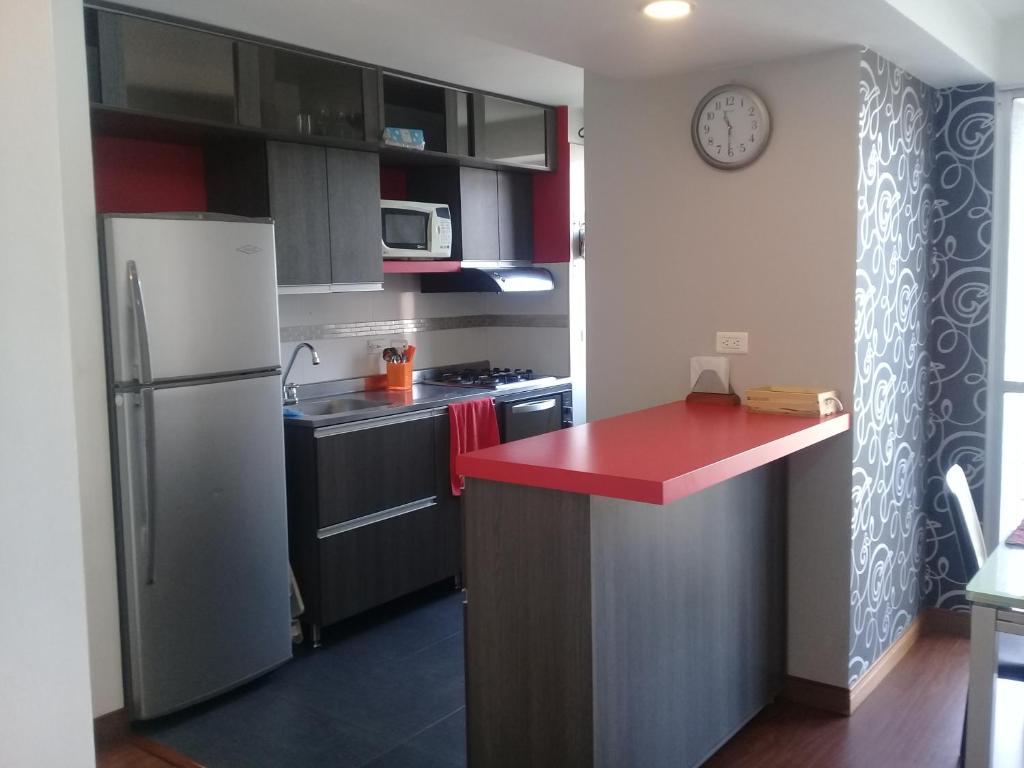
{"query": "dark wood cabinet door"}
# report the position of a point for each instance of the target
(298, 203)
(515, 216)
(370, 565)
(165, 69)
(353, 184)
(479, 192)
(369, 467)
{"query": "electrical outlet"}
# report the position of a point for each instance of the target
(731, 342)
(376, 347)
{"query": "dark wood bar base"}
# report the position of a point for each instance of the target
(604, 632)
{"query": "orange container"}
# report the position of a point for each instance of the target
(400, 376)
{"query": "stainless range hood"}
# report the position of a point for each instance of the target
(488, 279)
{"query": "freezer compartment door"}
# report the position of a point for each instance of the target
(204, 537)
(207, 290)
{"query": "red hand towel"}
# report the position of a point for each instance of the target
(474, 425)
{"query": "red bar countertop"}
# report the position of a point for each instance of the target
(655, 456)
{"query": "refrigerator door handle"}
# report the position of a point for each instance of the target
(149, 449)
(141, 326)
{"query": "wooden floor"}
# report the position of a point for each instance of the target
(912, 719)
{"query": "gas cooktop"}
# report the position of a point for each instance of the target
(492, 378)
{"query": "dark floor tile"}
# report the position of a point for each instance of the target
(394, 700)
(445, 739)
(261, 728)
(390, 677)
(408, 756)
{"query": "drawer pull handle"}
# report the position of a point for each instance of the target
(376, 517)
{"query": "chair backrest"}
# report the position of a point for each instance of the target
(974, 549)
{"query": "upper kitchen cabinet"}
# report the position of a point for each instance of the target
(297, 181)
(417, 105)
(304, 95)
(492, 211)
(160, 68)
(353, 195)
(513, 131)
(325, 203)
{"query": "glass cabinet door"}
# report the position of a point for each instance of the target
(165, 69)
(510, 131)
(309, 95)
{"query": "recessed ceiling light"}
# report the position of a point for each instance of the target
(668, 9)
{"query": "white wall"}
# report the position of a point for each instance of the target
(45, 713)
(89, 373)
(1011, 64)
(677, 250)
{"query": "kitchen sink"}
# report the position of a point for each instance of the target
(338, 405)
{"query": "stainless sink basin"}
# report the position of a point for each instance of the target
(338, 405)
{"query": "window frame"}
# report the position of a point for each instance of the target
(998, 387)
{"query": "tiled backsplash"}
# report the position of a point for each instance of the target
(529, 330)
(298, 333)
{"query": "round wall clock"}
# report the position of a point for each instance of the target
(731, 127)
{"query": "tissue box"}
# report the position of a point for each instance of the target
(795, 401)
(409, 138)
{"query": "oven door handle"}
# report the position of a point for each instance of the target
(536, 405)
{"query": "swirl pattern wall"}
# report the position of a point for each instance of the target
(959, 285)
(895, 201)
(924, 199)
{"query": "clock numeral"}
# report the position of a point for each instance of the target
(718, 149)
(730, 101)
(751, 112)
(718, 105)
(743, 147)
(711, 139)
(731, 153)
(711, 115)
(743, 102)
(752, 138)
(707, 127)
(753, 125)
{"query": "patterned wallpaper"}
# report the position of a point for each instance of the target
(895, 200)
(959, 278)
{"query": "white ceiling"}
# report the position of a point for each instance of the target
(537, 49)
(1003, 9)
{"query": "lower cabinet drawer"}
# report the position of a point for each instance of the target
(365, 566)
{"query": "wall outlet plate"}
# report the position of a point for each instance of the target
(731, 342)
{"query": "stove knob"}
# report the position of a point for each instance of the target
(507, 370)
(529, 371)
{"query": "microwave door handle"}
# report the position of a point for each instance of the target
(141, 325)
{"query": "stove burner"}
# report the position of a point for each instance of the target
(494, 378)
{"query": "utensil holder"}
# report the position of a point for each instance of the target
(400, 376)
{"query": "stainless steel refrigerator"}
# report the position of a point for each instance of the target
(198, 442)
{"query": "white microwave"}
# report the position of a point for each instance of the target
(415, 230)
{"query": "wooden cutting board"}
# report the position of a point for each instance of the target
(795, 401)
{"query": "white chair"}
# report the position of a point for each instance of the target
(974, 553)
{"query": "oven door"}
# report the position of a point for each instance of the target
(534, 416)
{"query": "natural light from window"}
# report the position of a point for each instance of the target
(1012, 496)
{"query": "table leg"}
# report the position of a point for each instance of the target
(982, 689)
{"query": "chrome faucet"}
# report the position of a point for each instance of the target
(290, 392)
